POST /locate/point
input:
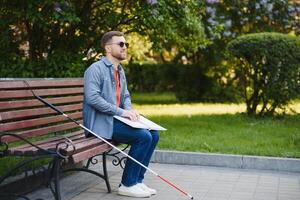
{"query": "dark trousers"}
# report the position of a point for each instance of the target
(142, 142)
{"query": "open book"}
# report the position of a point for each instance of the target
(142, 123)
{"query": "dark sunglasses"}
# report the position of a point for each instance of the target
(121, 44)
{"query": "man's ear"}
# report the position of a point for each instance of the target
(107, 48)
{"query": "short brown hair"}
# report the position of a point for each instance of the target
(108, 35)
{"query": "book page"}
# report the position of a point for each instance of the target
(142, 123)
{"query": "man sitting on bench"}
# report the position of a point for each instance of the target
(106, 95)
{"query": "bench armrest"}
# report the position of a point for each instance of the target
(60, 146)
(63, 146)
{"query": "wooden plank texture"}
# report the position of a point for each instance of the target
(73, 136)
(40, 92)
(28, 113)
(42, 131)
(19, 84)
(5, 105)
(37, 122)
(22, 114)
(83, 155)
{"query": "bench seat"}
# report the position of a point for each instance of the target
(83, 147)
(31, 129)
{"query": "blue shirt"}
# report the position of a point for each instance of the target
(99, 103)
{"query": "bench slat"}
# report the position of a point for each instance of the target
(42, 131)
(83, 145)
(48, 144)
(80, 141)
(51, 145)
(36, 122)
(17, 84)
(73, 136)
(83, 155)
(75, 140)
(40, 92)
(5, 105)
(18, 114)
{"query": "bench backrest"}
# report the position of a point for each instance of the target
(21, 113)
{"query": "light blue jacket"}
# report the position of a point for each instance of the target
(99, 103)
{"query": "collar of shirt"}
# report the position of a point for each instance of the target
(108, 63)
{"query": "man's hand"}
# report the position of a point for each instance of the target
(131, 114)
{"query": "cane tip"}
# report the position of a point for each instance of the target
(192, 198)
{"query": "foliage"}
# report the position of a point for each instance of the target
(188, 82)
(61, 38)
(151, 77)
(270, 74)
(153, 98)
(179, 26)
(191, 83)
(237, 17)
(140, 49)
(224, 20)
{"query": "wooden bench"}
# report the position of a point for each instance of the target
(24, 119)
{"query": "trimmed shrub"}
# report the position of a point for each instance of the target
(269, 70)
(191, 84)
(188, 82)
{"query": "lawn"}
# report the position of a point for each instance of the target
(223, 128)
(233, 134)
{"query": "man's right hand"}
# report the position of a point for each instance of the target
(132, 115)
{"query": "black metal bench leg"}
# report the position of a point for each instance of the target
(105, 173)
(56, 178)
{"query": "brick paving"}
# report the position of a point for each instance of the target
(204, 183)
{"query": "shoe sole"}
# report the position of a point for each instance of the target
(132, 195)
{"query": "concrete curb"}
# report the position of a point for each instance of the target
(227, 160)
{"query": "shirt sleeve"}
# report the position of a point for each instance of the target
(92, 93)
(127, 100)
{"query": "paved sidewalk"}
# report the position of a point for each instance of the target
(204, 183)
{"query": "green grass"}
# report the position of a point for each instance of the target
(221, 128)
(7, 163)
(231, 134)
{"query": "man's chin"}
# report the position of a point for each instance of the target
(121, 58)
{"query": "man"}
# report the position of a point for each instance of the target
(106, 95)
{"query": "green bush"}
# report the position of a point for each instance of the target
(58, 65)
(142, 78)
(187, 82)
(269, 70)
(151, 77)
(192, 83)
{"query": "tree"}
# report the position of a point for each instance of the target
(228, 19)
(270, 70)
(60, 38)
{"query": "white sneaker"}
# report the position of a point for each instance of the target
(146, 188)
(133, 191)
